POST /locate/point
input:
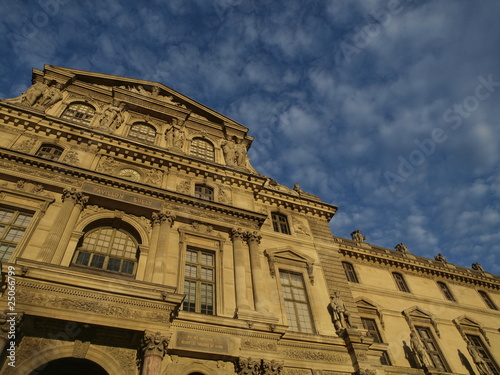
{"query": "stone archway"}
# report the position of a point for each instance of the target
(70, 366)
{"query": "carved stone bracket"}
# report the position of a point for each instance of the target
(154, 344)
(272, 367)
(248, 366)
(159, 217)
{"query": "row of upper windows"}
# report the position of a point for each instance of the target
(401, 284)
(83, 114)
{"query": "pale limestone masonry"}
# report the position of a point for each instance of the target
(137, 238)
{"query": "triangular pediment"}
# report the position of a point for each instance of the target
(290, 254)
(138, 92)
(418, 312)
(466, 321)
(365, 303)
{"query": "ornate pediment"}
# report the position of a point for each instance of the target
(289, 256)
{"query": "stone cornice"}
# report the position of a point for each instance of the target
(133, 151)
(414, 264)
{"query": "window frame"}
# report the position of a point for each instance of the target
(8, 226)
(50, 148)
(432, 353)
(204, 153)
(74, 119)
(487, 300)
(308, 302)
(484, 352)
(350, 272)
(107, 255)
(401, 283)
(445, 290)
(205, 192)
(143, 139)
(198, 280)
(280, 223)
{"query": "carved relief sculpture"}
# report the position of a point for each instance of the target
(71, 157)
(108, 165)
(50, 96)
(175, 135)
(248, 366)
(154, 176)
(271, 367)
(112, 117)
(229, 151)
(339, 312)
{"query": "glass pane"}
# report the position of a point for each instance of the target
(5, 216)
(14, 234)
(83, 259)
(128, 267)
(113, 264)
(190, 271)
(97, 261)
(6, 251)
(23, 219)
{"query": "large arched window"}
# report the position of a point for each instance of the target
(50, 151)
(202, 149)
(80, 113)
(109, 248)
(143, 132)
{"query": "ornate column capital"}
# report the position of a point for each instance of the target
(253, 237)
(271, 367)
(237, 233)
(248, 366)
(76, 196)
(162, 216)
(154, 344)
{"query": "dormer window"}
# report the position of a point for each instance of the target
(49, 151)
(80, 113)
(202, 149)
(280, 223)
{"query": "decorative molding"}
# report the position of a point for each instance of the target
(259, 345)
(315, 355)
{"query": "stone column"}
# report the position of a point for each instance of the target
(155, 222)
(239, 270)
(79, 201)
(166, 220)
(10, 326)
(259, 290)
(73, 202)
(154, 348)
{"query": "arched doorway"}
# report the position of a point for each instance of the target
(70, 366)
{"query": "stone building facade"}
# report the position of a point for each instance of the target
(138, 239)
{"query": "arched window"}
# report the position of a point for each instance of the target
(143, 132)
(109, 248)
(202, 149)
(487, 300)
(446, 291)
(400, 282)
(80, 113)
(350, 274)
(204, 192)
(280, 223)
(49, 151)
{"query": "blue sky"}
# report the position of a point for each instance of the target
(387, 109)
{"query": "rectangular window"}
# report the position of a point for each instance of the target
(480, 348)
(13, 225)
(280, 223)
(199, 281)
(296, 302)
(400, 282)
(371, 326)
(432, 349)
(350, 274)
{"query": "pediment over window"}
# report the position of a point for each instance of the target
(417, 315)
(367, 306)
(467, 325)
(291, 257)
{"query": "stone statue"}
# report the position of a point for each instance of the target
(419, 351)
(357, 236)
(241, 153)
(478, 359)
(112, 116)
(401, 247)
(440, 258)
(175, 135)
(248, 366)
(50, 96)
(34, 92)
(339, 312)
(229, 151)
(477, 267)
